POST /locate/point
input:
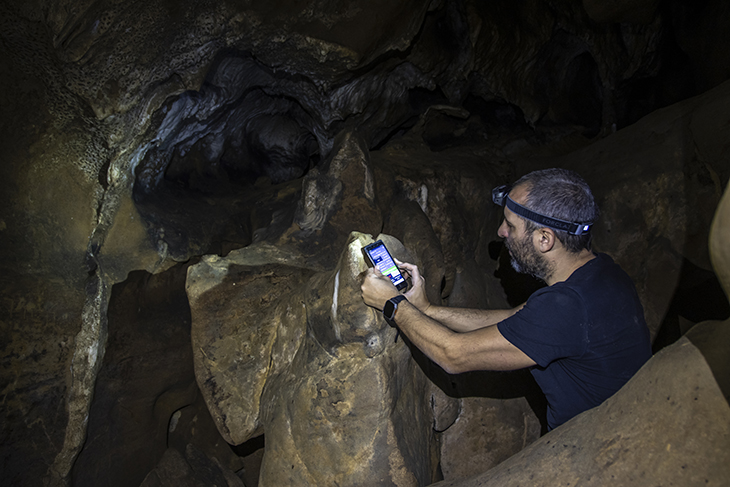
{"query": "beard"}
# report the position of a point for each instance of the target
(525, 259)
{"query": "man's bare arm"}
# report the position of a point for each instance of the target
(466, 319)
(457, 319)
(482, 349)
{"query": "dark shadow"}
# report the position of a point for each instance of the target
(569, 87)
(249, 447)
(251, 453)
(484, 383)
(711, 339)
(698, 297)
(147, 373)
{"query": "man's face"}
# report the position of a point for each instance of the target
(524, 257)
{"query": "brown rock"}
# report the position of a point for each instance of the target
(239, 308)
(190, 469)
(295, 354)
(339, 197)
(669, 424)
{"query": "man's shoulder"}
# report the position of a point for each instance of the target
(603, 259)
(560, 297)
(603, 283)
(602, 268)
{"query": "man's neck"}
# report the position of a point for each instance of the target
(566, 263)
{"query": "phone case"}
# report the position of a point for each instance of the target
(378, 256)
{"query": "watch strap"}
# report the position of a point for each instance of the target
(391, 306)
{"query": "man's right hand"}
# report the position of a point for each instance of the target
(416, 295)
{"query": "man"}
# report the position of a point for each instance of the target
(584, 335)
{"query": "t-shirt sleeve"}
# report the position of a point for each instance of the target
(549, 326)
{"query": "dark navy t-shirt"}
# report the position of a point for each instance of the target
(587, 336)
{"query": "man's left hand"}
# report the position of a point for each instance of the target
(377, 288)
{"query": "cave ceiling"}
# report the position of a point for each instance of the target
(202, 95)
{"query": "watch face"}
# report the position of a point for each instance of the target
(389, 310)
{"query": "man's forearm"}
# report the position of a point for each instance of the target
(482, 349)
(466, 319)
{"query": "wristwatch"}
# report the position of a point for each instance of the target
(390, 308)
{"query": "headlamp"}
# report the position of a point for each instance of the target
(500, 193)
(500, 196)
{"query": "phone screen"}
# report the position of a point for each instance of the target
(380, 257)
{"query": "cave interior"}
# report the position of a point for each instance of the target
(142, 140)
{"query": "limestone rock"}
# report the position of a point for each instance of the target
(670, 423)
(585, 60)
(488, 431)
(349, 420)
(239, 311)
(189, 469)
(295, 354)
(719, 235)
(342, 193)
(145, 395)
(711, 337)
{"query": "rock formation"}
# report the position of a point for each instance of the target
(259, 142)
(295, 355)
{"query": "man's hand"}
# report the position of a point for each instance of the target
(416, 295)
(377, 288)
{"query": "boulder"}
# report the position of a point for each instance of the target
(292, 353)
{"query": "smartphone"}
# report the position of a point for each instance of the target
(380, 258)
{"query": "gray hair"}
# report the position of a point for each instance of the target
(561, 194)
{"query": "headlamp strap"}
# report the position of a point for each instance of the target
(554, 223)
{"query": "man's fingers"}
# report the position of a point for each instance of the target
(361, 277)
(373, 273)
(412, 270)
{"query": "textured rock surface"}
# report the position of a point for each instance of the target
(192, 469)
(720, 232)
(668, 424)
(284, 346)
(242, 309)
(139, 135)
(145, 399)
(295, 355)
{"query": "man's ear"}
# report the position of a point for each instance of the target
(546, 239)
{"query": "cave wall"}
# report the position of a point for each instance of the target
(102, 102)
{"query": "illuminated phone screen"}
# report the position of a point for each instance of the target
(384, 262)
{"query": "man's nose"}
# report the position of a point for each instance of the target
(502, 230)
